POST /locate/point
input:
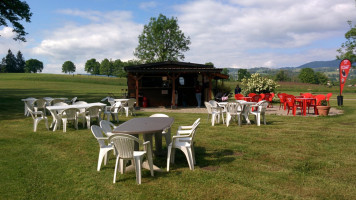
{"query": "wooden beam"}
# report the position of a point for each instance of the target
(173, 77)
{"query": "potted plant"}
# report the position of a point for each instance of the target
(323, 108)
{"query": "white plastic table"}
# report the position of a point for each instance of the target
(54, 111)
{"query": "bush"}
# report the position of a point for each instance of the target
(258, 84)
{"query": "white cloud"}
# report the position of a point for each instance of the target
(148, 5)
(223, 32)
(6, 32)
(110, 35)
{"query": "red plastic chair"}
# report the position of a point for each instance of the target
(256, 98)
(328, 97)
(292, 104)
(239, 97)
(268, 99)
(281, 97)
(318, 98)
(251, 94)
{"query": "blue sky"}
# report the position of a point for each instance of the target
(228, 33)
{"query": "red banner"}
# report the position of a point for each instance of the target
(345, 66)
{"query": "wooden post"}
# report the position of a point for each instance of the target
(209, 93)
(137, 89)
(174, 77)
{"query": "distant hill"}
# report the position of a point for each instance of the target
(318, 64)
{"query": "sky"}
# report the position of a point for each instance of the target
(228, 33)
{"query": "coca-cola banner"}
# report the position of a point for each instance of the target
(345, 66)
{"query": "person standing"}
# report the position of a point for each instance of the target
(237, 89)
(198, 94)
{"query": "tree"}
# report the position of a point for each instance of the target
(118, 68)
(92, 66)
(209, 63)
(307, 75)
(282, 76)
(348, 48)
(9, 63)
(258, 84)
(20, 62)
(321, 78)
(162, 40)
(33, 66)
(106, 67)
(243, 73)
(15, 11)
(68, 67)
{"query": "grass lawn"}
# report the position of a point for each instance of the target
(289, 158)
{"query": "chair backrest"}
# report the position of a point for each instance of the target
(194, 130)
(57, 101)
(251, 94)
(70, 113)
(115, 107)
(328, 96)
(289, 99)
(40, 103)
(262, 96)
(159, 115)
(106, 126)
(239, 96)
(263, 106)
(80, 102)
(124, 144)
(256, 98)
(307, 95)
(208, 107)
(131, 103)
(213, 103)
(281, 97)
(319, 98)
(94, 111)
(60, 104)
(267, 97)
(196, 122)
(98, 133)
(233, 108)
(73, 100)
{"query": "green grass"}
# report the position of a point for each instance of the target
(289, 158)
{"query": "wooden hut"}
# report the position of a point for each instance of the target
(170, 83)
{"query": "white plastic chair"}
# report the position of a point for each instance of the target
(167, 131)
(70, 114)
(184, 140)
(37, 119)
(112, 111)
(91, 113)
(107, 127)
(215, 107)
(261, 110)
(56, 115)
(40, 104)
(233, 110)
(124, 150)
(130, 107)
(189, 127)
(215, 116)
(104, 147)
(82, 112)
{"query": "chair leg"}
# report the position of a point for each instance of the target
(169, 156)
(35, 124)
(188, 154)
(88, 122)
(64, 125)
(258, 119)
(137, 161)
(228, 118)
(116, 164)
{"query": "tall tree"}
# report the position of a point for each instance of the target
(118, 68)
(106, 67)
(243, 73)
(20, 62)
(92, 66)
(15, 11)
(68, 67)
(307, 75)
(162, 40)
(33, 66)
(348, 48)
(9, 63)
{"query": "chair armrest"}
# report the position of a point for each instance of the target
(185, 127)
(102, 138)
(180, 136)
(184, 132)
